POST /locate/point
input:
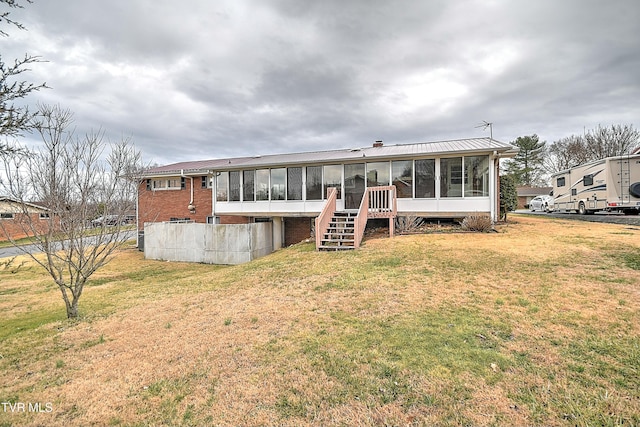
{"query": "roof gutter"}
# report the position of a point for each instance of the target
(191, 206)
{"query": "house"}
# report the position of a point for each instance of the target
(442, 179)
(18, 220)
(526, 194)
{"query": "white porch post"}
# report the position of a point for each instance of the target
(278, 232)
(494, 193)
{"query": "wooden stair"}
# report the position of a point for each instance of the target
(337, 230)
(341, 233)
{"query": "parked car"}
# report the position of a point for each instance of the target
(541, 203)
(107, 220)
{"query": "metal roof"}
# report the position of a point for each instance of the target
(370, 153)
(10, 199)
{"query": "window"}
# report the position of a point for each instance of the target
(248, 186)
(294, 184)
(377, 174)
(333, 178)
(262, 184)
(278, 184)
(205, 182)
(6, 215)
(560, 182)
(175, 183)
(148, 184)
(402, 178)
(451, 177)
(234, 186)
(425, 178)
(159, 184)
(44, 215)
(354, 184)
(314, 183)
(222, 187)
(587, 180)
(476, 176)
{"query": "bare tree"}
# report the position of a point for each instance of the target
(14, 119)
(598, 143)
(616, 140)
(566, 153)
(76, 181)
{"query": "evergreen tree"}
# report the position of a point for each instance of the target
(13, 119)
(508, 195)
(527, 166)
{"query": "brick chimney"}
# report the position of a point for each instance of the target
(377, 144)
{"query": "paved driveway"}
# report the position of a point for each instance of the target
(13, 251)
(606, 217)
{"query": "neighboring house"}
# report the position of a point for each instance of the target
(18, 220)
(526, 194)
(443, 179)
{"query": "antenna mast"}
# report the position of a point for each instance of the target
(484, 125)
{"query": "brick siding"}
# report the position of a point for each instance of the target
(163, 205)
(232, 219)
(296, 230)
(15, 228)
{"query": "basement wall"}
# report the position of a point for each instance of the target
(207, 243)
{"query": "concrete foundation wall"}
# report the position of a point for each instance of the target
(207, 243)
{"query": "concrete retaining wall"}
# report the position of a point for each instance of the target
(207, 243)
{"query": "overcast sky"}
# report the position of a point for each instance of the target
(200, 79)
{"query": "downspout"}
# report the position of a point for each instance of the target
(191, 207)
(495, 185)
(138, 215)
(214, 190)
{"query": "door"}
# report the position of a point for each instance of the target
(354, 185)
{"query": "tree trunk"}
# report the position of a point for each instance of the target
(72, 308)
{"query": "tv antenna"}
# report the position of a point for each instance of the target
(484, 125)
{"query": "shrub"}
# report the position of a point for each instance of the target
(481, 223)
(408, 224)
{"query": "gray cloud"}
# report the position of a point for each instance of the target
(202, 79)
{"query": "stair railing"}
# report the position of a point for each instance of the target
(377, 202)
(361, 220)
(323, 220)
(382, 202)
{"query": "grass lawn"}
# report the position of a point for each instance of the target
(538, 324)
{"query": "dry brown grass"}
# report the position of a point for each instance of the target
(536, 324)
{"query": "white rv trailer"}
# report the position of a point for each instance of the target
(611, 184)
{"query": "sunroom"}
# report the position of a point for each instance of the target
(427, 186)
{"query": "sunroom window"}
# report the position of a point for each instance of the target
(262, 184)
(451, 177)
(294, 184)
(402, 178)
(333, 178)
(278, 184)
(377, 174)
(476, 176)
(222, 187)
(425, 178)
(248, 186)
(314, 183)
(234, 186)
